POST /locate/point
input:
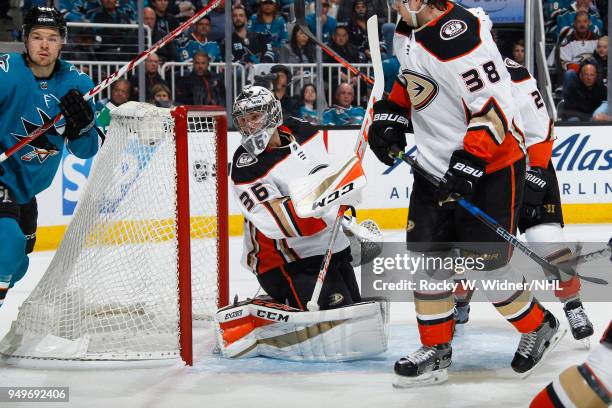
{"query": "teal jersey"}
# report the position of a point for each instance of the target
(337, 115)
(190, 45)
(26, 102)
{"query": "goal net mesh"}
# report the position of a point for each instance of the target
(110, 292)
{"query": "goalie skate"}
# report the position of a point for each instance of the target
(426, 366)
(536, 345)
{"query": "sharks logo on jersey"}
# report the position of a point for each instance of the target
(4, 62)
(42, 147)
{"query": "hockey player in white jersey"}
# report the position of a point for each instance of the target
(454, 87)
(540, 218)
(588, 385)
(285, 251)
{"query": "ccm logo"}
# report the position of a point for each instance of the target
(391, 118)
(468, 170)
(232, 315)
(333, 196)
(264, 314)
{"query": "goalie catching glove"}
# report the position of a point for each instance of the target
(262, 327)
(365, 238)
(388, 129)
(464, 171)
(78, 114)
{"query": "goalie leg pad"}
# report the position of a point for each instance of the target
(265, 328)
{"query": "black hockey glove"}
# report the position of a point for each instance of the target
(388, 129)
(464, 171)
(78, 114)
(537, 181)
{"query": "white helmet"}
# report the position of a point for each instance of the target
(257, 113)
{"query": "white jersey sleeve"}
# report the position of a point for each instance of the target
(537, 125)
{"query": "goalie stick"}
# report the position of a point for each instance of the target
(113, 77)
(360, 146)
(494, 225)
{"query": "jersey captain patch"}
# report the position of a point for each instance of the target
(421, 89)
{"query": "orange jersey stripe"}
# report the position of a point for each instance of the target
(540, 153)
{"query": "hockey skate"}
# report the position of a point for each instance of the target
(579, 322)
(536, 345)
(426, 366)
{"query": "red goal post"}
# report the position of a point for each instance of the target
(146, 252)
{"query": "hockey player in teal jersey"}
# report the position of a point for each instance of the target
(36, 86)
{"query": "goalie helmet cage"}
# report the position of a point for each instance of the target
(146, 251)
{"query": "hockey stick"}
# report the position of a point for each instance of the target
(299, 9)
(360, 146)
(112, 78)
(494, 225)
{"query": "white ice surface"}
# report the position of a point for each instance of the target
(479, 377)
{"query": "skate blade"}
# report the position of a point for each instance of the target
(553, 343)
(431, 378)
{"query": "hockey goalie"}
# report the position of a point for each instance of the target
(286, 237)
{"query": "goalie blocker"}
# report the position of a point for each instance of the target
(263, 327)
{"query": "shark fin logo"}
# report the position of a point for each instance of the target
(42, 148)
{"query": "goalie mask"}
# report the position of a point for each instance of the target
(257, 113)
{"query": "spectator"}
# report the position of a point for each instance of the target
(378, 7)
(200, 86)
(164, 21)
(518, 51)
(300, 49)
(120, 94)
(81, 47)
(357, 26)
(600, 57)
(391, 69)
(343, 112)
(169, 52)
(152, 77)
(115, 43)
(341, 45)
(565, 18)
(217, 23)
(267, 21)
(307, 109)
(328, 23)
(248, 47)
(161, 96)
(198, 41)
(579, 44)
(279, 88)
(584, 96)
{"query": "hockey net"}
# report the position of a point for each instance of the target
(151, 223)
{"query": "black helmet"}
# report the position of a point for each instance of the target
(43, 17)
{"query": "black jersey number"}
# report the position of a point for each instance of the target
(260, 193)
(537, 99)
(473, 80)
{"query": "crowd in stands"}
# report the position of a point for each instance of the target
(262, 33)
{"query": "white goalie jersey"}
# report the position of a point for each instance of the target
(273, 232)
(454, 83)
(537, 125)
